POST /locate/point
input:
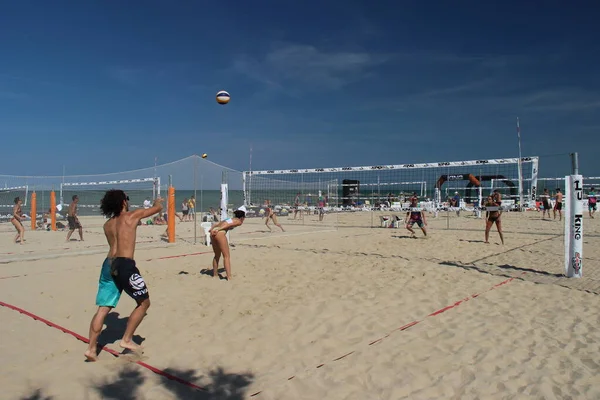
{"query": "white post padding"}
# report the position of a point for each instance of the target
(574, 226)
(224, 201)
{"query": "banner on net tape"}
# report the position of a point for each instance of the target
(398, 166)
(573, 215)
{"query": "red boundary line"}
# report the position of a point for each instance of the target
(108, 350)
(411, 324)
(189, 384)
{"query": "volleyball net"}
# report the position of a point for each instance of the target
(197, 184)
(381, 186)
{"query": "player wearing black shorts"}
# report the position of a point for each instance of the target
(73, 219)
(125, 273)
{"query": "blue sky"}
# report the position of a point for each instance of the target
(102, 86)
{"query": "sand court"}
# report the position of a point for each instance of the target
(312, 303)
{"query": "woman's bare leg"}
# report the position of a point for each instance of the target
(499, 227)
(217, 249)
(224, 246)
(488, 226)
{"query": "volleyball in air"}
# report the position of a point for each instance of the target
(204, 155)
(223, 97)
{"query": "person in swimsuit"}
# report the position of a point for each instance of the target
(497, 198)
(592, 200)
(17, 221)
(546, 203)
(185, 209)
(270, 215)
(297, 205)
(558, 205)
(119, 266)
(73, 220)
(492, 217)
(220, 245)
(415, 217)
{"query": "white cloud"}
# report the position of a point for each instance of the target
(308, 67)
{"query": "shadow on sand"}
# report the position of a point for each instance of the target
(115, 327)
(505, 267)
(36, 395)
(217, 384)
(130, 379)
(209, 272)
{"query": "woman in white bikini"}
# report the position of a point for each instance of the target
(218, 239)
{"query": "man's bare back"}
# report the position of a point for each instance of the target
(110, 231)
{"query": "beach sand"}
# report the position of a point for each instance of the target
(302, 300)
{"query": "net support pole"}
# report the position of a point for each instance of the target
(171, 215)
(575, 163)
(574, 225)
(224, 196)
(224, 199)
(53, 210)
(195, 188)
(33, 210)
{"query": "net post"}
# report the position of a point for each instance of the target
(53, 210)
(575, 163)
(195, 187)
(574, 224)
(171, 214)
(224, 196)
(33, 210)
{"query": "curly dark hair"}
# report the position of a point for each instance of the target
(239, 214)
(17, 200)
(112, 203)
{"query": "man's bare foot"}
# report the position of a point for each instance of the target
(486, 242)
(91, 356)
(131, 346)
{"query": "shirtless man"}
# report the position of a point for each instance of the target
(120, 231)
(545, 203)
(73, 219)
(17, 221)
(558, 205)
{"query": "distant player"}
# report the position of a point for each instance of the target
(220, 245)
(17, 221)
(120, 231)
(592, 202)
(321, 208)
(558, 205)
(546, 204)
(271, 216)
(73, 219)
(492, 217)
(415, 217)
(297, 204)
(497, 197)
